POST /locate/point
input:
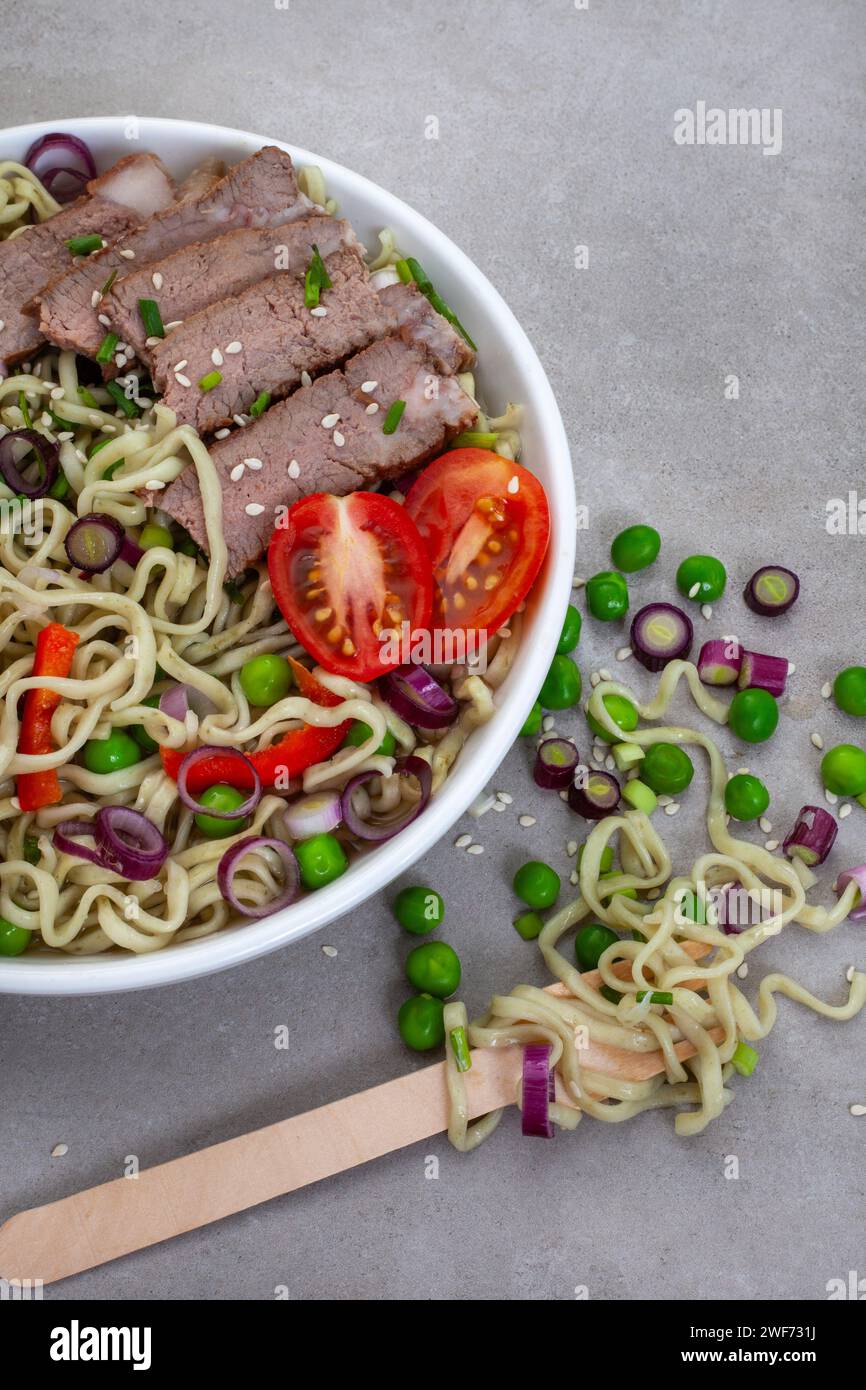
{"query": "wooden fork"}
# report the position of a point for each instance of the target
(90, 1228)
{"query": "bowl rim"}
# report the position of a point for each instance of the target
(111, 973)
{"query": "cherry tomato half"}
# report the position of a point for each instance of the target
(347, 572)
(486, 525)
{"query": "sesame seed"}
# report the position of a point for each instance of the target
(605, 673)
(514, 484)
(563, 795)
(255, 464)
(155, 484)
(319, 312)
(45, 418)
(742, 970)
(707, 611)
(104, 320)
(222, 434)
(152, 342)
(610, 762)
(826, 690)
(234, 346)
(831, 797)
(548, 723)
(156, 280)
(66, 434)
(578, 582)
(217, 358)
(526, 821)
(672, 809)
(817, 740)
(574, 878)
(765, 825)
(254, 509)
(237, 473)
(372, 408)
(505, 798)
(57, 393)
(95, 298)
(595, 678)
(59, 1150)
(857, 1109)
(95, 420)
(339, 439)
(849, 974)
(329, 951)
(306, 379)
(294, 469)
(175, 323)
(624, 653)
(329, 421)
(742, 772)
(369, 386)
(571, 848)
(695, 589)
(844, 811)
(771, 845)
(462, 841)
(791, 668)
(127, 254)
(474, 849)
(179, 366)
(181, 379)
(120, 359)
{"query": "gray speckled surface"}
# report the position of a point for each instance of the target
(555, 129)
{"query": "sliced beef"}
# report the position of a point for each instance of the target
(419, 322)
(291, 439)
(202, 178)
(274, 337)
(260, 191)
(113, 204)
(208, 271)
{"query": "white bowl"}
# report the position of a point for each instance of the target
(508, 371)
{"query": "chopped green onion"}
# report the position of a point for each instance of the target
(83, 245)
(212, 379)
(744, 1059)
(394, 416)
(151, 318)
(658, 996)
(112, 468)
(316, 279)
(109, 282)
(117, 393)
(23, 407)
(402, 269)
(311, 290)
(474, 439)
(460, 1048)
(88, 399)
(95, 448)
(60, 487)
(105, 351)
(425, 285)
(260, 404)
(31, 851)
(60, 422)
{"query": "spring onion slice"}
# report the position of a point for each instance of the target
(460, 1048)
(25, 410)
(474, 439)
(84, 245)
(109, 282)
(402, 269)
(658, 996)
(119, 396)
(260, 404)
(88, 399)
(212, 379)
(425, 285)
(151, 318)
(744, 1059)
(105, 351)
(316, 279)
(394, 416)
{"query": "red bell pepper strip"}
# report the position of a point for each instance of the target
(55, 647)
(296, 751)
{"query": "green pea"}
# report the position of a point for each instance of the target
(419, 910)
(635, 548)
(753, 715)
(691, 908)
(570, 635)
(529, 925)
(562, 685)
(667, 769)
(746, 797)
(421, 1024)
(266, 679)
(111, 754)
(849, 691)
(622, 712)
(221, 797)
(705, 571)
(321, 859)
(606, 858)
(13, 940)
(843, 770)
(590, 943)
(607, 596)
(532, 722)
(434, 968)
(152, 535)
(138, 731)
(537, 884)
(361, 732)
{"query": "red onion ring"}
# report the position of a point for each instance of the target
(858, 876)
(208, 750)
(419, 699)
(406, 767)
(127, 843)
(230, 863)
(316, 814)
(95, 526)
(59, 153)
(539, 1089)
(47, 453)
(178, 700)
(66, 845)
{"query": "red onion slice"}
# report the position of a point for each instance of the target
(94, 542)
(361, 829)
(178, 700)
(555, 763)
(64, 842)
(59, 154)
(250, 775)
(231, 862)
(419, 699)
(661, 633)
(594, 795)
(130, 844)
(47, 460)
(858, 876)
(812, 836)
(719, 661)
(763, 672)
(538, 1091)
(316, 814)
(772, 590)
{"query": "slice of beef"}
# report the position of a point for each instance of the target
(291, 439)
(260, 191)
(273, 338)
(114, 203)
(208, 271)
(419, 322)
(202, 178)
